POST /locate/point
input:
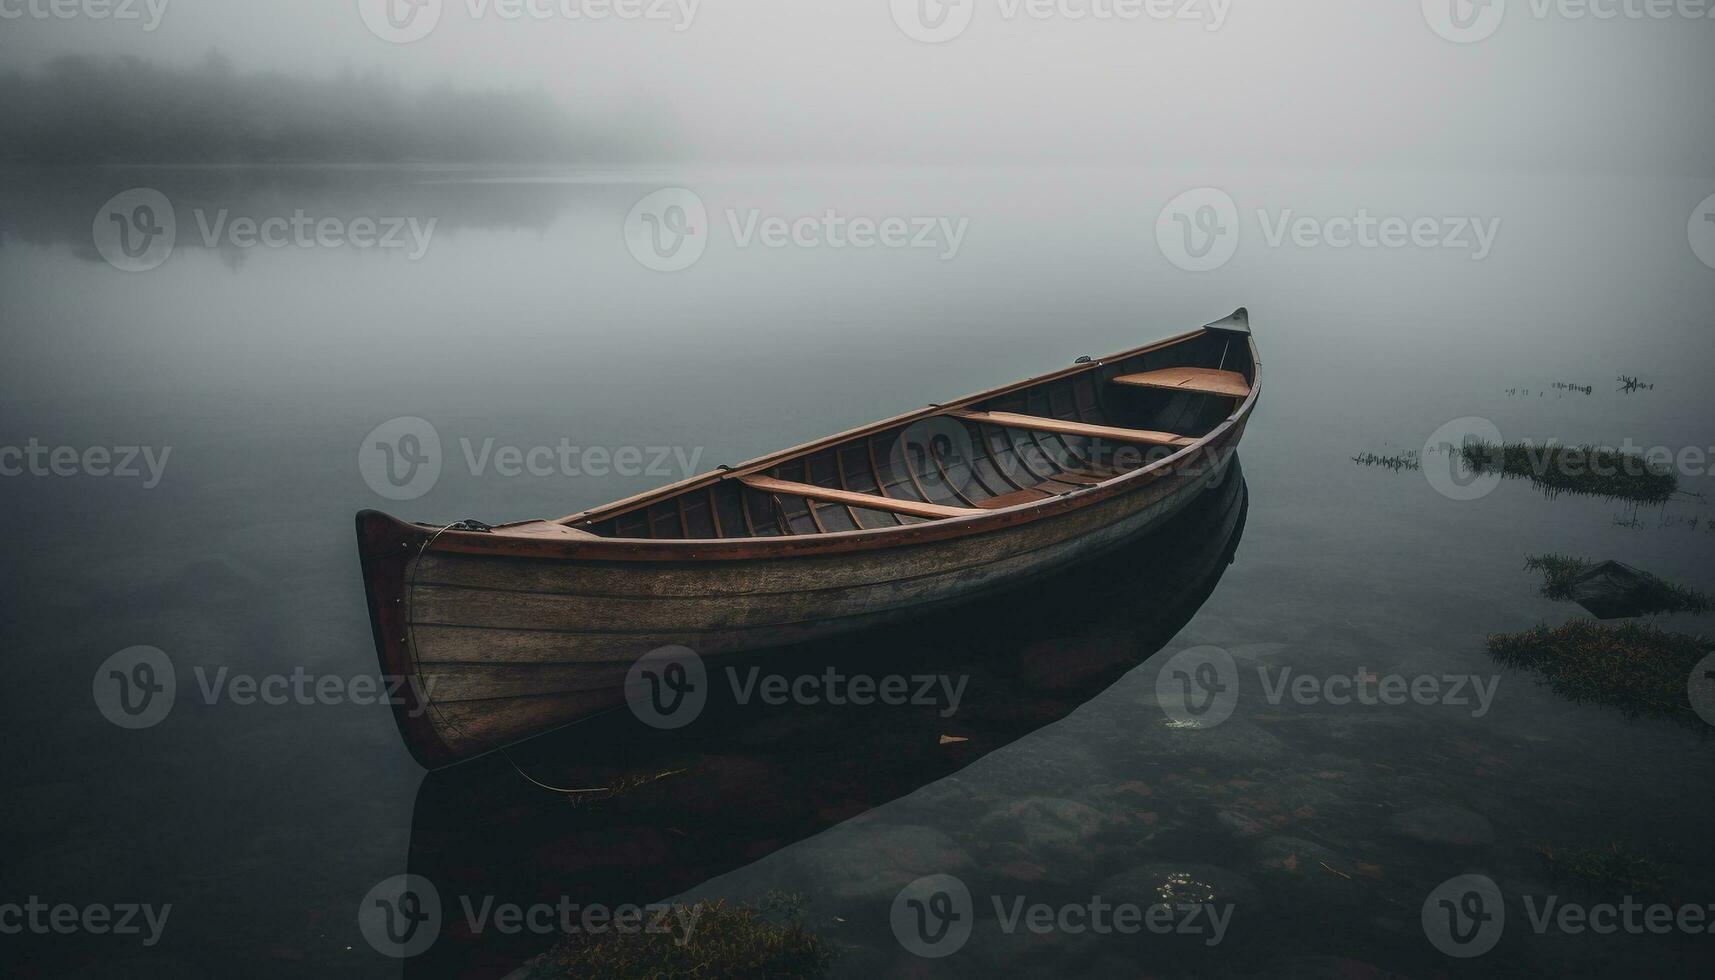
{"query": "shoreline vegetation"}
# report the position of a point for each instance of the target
(124, 110)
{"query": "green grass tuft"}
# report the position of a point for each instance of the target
(1592, 470)
(752, 940)
(1639, 669)
(1617, 869)
(1560, 574)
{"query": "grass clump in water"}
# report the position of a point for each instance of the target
(765, 939)
(1407, 460)
(1559, 573)
(1617, 867)
(1639, 669)
(1644, 592)
(1593, 470)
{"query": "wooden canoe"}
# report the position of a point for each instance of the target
(517, 629)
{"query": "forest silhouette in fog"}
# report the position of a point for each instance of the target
(126, 110)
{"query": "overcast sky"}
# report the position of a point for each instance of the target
(1316, 83)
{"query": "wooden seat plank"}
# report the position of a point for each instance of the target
(913, 508)
(1064, 427)
(1205, 381)
(1016, 497)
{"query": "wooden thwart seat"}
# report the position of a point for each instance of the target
(912, 508)
(1205, 381)
(1038, 423)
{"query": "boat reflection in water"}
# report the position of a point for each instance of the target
(745, 780)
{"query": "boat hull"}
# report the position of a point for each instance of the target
(494, 648)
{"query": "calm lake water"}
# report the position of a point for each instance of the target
(526, 320)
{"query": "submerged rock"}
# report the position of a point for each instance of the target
(874, 861)
(1053, 830)
(1442, 823)
(1238, 824)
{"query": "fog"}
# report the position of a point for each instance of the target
(117, 110)
(1330, 84)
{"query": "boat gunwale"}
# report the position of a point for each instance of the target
(601, 548)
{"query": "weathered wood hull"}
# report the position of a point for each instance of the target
(506, 636)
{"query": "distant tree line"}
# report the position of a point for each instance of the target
(124, 110)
